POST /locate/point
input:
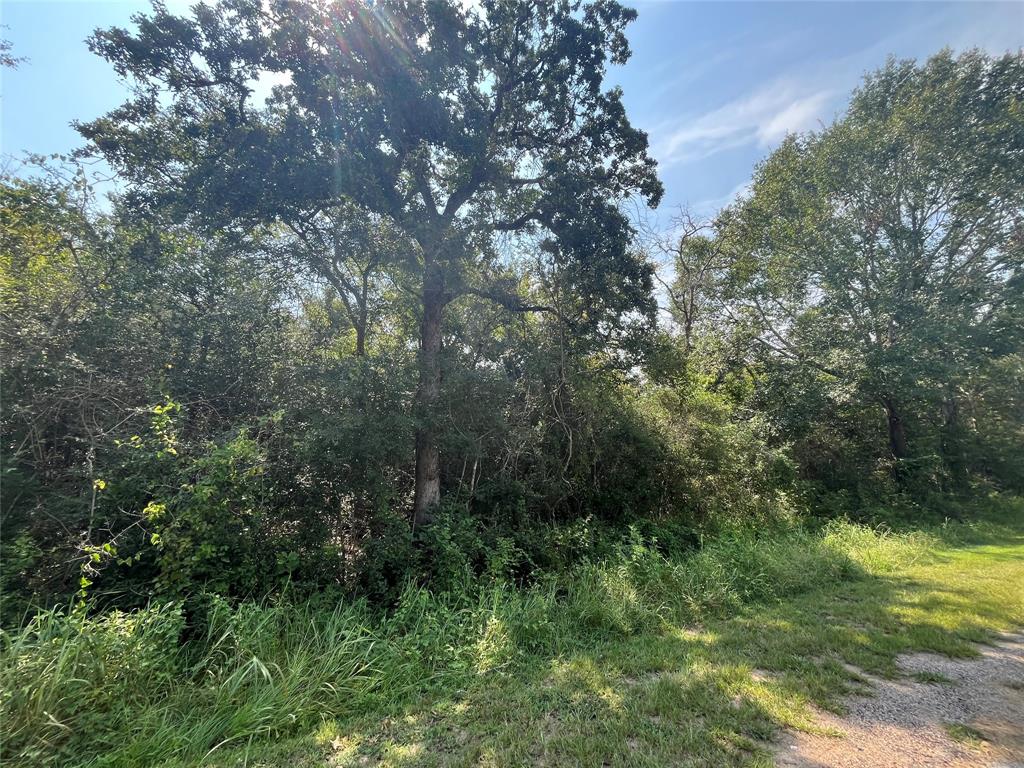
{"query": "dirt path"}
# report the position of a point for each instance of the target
(975, 720)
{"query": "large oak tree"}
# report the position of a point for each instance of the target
(456, 125)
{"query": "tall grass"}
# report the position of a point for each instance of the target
(127, 689)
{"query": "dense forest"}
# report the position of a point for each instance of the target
(411, 323)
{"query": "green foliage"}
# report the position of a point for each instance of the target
(214, 385)
(877, 266)
(408, 272)
(208, 533)
(413, 152)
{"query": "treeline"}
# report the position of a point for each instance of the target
(394, 323)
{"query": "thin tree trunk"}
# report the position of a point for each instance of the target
(361, 333)
(951, 439)
(364, 317)
(950, 411)
(428, 458)
(897, 429)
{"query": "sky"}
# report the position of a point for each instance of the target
(716, 85)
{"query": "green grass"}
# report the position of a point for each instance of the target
(635, 661)
(966, 735)
(931, 678)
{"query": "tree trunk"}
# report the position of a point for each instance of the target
(897, 429)
(428, 458)
(361, 333)
(952, 443)
(950, 411)
(364, 316)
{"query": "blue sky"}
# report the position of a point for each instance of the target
(716, 85)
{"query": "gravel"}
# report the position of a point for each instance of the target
(906, 723)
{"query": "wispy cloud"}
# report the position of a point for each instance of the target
(707, 129)
(711, 206)
(801, 100)
(763, 117)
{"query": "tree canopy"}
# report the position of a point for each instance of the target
(883, 255)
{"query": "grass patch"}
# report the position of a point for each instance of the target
(964, 734)
(639, 660)
(931, 678)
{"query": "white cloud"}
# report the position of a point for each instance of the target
(812, 86)
(763, 116)
(799, 115)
